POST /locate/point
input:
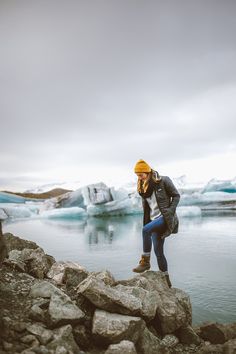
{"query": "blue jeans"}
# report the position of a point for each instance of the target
(152, 234)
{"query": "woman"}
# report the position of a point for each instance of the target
(160, 199)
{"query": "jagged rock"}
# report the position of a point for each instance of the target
(148, 343)
(173, 312)
(43, 334)
(124, 346)
(17, 243)
(44, 289)
(73, 277)
(32, 261)
(215, 333)
(169, 341)
(119, 299)
(105, 276)
(62, 310)
(3, 247)
(187, 335)
(63, 337)
(59, 269)
(111, 328)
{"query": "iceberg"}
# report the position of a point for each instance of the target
(11, 198)
(189, 211)
(214, 185)
(15, 211)
(64, 213)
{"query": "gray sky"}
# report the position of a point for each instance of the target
(89, 87)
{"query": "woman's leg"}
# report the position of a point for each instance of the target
(157, 225)
(158, 244)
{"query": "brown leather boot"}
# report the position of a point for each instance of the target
(168, 280)
(144, 264)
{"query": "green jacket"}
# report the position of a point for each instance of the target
(167, 197)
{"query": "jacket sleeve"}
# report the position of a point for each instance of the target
(172, 193)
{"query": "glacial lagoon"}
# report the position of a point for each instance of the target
(201, 257)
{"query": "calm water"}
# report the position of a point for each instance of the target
(201, 257)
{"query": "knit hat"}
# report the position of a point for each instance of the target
(142, 166)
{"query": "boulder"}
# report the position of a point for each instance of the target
(17, 243)
(148, 343)
(215, 333)
(130, 300)
(125, 346)
(43, 334)
(111, 328)
(230, 347)
(63, 341)
(187, 335)
(69, 273)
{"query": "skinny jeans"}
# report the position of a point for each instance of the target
(152, 234)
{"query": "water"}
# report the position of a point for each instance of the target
(201, 257)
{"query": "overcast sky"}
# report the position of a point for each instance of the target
(89, 87)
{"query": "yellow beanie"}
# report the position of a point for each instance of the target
(142, 166)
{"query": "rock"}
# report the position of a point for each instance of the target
(120, 299)
(63, 311)
(3, 247)
(17, 243)
(63, 337)
(124, 347)
(230, 347)
(172, 312)
(105, 276)
(187, 335)
(111, 328)
(32, 261)
(73, 277)
(169, 341)
(215, 333)
(148, 343)
(58, 270)
(211, 349)
(43, 334)
(44, 289)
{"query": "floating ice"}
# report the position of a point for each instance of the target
(214, 185)
(189, 211)
(3, 215)
(15, 211)
(11, 198)
(64, 213)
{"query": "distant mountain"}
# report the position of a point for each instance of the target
(45, 195)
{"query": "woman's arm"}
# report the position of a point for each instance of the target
(172, 193)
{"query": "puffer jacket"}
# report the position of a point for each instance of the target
(167, 198)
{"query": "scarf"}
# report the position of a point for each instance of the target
(145, 188)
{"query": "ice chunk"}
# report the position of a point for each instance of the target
(97, 193)
(15, 210)
(214, 185)
(64, 213)
(117, 207)
(11, 198)
(189, 211)
(3, 215)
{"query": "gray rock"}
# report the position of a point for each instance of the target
(124, 347)
(62, 310)
(111, 328)
(211, 349)
(73, 277)
(17, 243)
(58, 269)
(148, 343)
(43, 334)
(44, 289)
(105, 276)
(187, 335)
(131, 300)
(63, 337)
(172, 312)
(169, 341)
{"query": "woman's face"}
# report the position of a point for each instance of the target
(142, 176)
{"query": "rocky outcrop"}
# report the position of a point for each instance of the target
(49, 307)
